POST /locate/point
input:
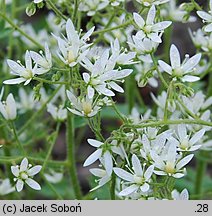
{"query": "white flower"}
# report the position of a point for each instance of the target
(181, 70)
(184, 195)
(53, 177)
(8, 108)
(58, 113)
(148, 28)
(171, 163)
(45, 62)
(82, 106)
(143, 48)
(99, 154)
(92, 6)
(26, 72)
(207, 17)
(124, 58)
(73, 48)
(103, 76)
(5, 187)
(137, 180)
(148, 3)
(24, 174)
(186, 142)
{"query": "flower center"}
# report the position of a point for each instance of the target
(86, 107)
(23, 176)
(95, 81)
(138, 179)
(178, 72)
(71, 57)
(27, 74)
(184, 144)
(169, 168)
(147, 29)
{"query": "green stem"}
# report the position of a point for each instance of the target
(159, 73)
(118, 112)
(71, 156)
(156, 123)
(112, 187)
(201, 168)
(70, 130)
(49, 81)
(17, 139)
(113, 28)
(51, 147)
(54, 8)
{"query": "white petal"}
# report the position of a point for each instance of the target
(15, 67)
(208, 28)
(138, 20)
(34, 170)
(197, 136)
(155, 38)
(182, 132)
(15, 171)
(93, 157)
(151, 15)
(178, 175)
(144, 187)
(137, 165)
(103, 90)
(148, 173)
(33, 184)
(19, 185)
(123, 174)
(191, 63)
(95, 143)
(14, 81)
(175, 57)
(116, 87)
(86, 77)
(188, 78)
(98, 172)
(204, 15)
(161, 26)
(90, 92)
(167, 68)
(24, 165)
(184, 195)
(129, 190)
(108, 162)
(184, 161)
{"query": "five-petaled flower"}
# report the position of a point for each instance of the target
(24, 174)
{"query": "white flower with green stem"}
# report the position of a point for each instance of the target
(171, 163)
(181, 71)
(73, 49)
(24, 174)
(138, 179)
(185, 141)
(82, 106)
(149, 28)
(26, 72)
